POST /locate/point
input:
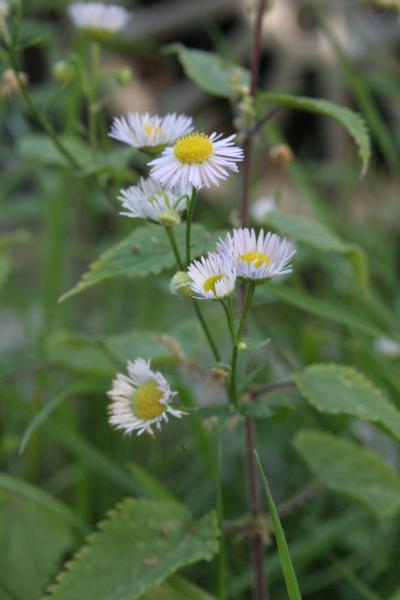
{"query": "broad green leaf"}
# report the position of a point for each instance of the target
(209, 71)
(33, 539)
(350, 120)
(146, 251)
(287, 566)
(37, 496)
(140, 544)
(321, 308)
(336, 389)
(39, 148)
(81, 353)
(346, 468)
(305, 230)
(176, 588)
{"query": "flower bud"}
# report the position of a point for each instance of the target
(64, 71)
(169, 218)
(280, 155)
(10, 84)
(180, 284)
(123, 76)
(242, 346)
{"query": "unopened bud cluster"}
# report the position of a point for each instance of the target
(245, 110)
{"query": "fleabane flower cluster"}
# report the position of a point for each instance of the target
(140, 400)
(148, 200)
(98, 18)
(242, 254)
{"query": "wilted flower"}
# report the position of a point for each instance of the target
(212, 277)
(280, 155)
(197, 159)
(148, 200)
(150, 133)
(257, 257)
(140, 399)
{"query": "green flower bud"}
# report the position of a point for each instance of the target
(242, 346)
(169, 218)
(123, 76)
(64, 71)
(179, 284)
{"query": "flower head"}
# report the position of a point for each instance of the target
(150, 133)
(257, 257)
(98, 18)
(197, 159)
(212, 277)
(148, 200)
(140, 399)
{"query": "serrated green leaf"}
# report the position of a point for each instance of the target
(346, 468)
(33, 539)
(209, 71)
(176, 588)
(350, 120)
(140, 544)
(320, 308)
(284, 555)
(146, 251)
(337, 389)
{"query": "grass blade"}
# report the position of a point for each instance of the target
(287, 566)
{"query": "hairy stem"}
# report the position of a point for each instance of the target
(257, 541)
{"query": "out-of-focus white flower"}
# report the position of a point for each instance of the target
(387, 347)
(98, 18)
(150, 133)
(140, 399)
(149, 200)
(212, 277)
(257, 257)
(198, 160)
(260, 208)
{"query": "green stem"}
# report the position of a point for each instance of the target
(221, 574)
(174, 246)
(39, 118)
(207, 332)
(190, 211)
(92, 98)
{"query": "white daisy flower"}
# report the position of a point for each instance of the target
(148, 200)
(98, 17)
(140, 399)
(212, 277)
(257, 257)
(150, 133)
(197, 159)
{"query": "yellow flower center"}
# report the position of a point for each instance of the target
(256, 257)
(209, 284)
(146, 401)
(152, 130)
(194, 148)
